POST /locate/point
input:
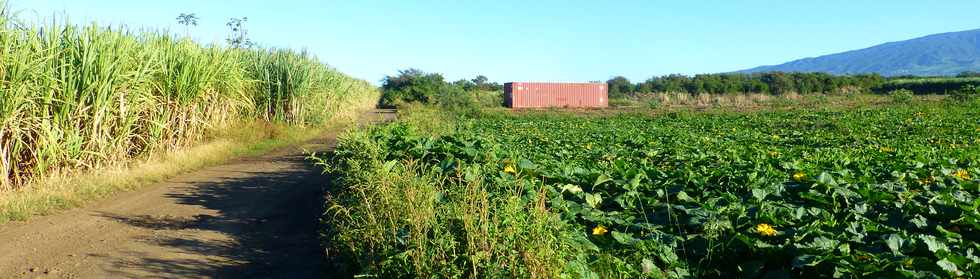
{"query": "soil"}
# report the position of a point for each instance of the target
(253, 217)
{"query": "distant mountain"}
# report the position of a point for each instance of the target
(934, 55)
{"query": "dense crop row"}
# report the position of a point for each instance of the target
(73, 97)
(887, 192)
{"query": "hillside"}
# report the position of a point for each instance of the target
(934, 55)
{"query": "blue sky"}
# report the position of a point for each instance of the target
(541, 40)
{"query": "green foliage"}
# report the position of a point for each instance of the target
(901, 96)
(187, 20)
(294, 87)
(929, 85)
(968, 74)
(620, 87)
(967, 93)
(882, 193)
(238, 36)
(455, 97)
(411, 86)
(416, 86)
(654, 103)
(764, 83)
(488, 99)
(479, 83)
(82, 97)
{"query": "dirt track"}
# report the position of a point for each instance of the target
(250, 218)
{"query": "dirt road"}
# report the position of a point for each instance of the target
(250, 218)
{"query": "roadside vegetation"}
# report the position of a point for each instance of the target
(80, 98)
(829, 188)
(413, 86)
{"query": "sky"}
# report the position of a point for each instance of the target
(538, 40)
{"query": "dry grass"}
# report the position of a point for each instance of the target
(711, 100)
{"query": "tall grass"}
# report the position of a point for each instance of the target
(81, 97)
(403, 219)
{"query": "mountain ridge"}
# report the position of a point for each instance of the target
(942, 54)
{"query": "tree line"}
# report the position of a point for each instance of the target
(777, 83)
(763, 83)
(416, 86)
(920, 85)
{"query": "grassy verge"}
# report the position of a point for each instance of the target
(70, 190)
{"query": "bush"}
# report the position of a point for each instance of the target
(928, 85)
(966, 94)
(415, 86)
(411, 86)
(654, 103)
(454, 97)
(489, 98)
(903, 96)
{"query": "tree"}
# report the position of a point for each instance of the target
(187, 20)
(480, 80)
(619, 87)
(411, 86)
(465, 84)
(644, 87)
(239, 33)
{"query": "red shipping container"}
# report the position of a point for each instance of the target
(555, 94)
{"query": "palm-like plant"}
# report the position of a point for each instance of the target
(187, 20)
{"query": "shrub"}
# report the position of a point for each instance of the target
(488, 98)
(966, 94)
(454, 97)
(415, 86)
(928, 85)
(903, 96)
(411, 86)
(653, 103)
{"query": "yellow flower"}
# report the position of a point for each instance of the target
(886, 149)
(799, 176)
(927, 180)
(773, 153)
(510, 169)
(775, 137)
(599, 230)
(920, 114)
(765, 230)
(962, 174)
